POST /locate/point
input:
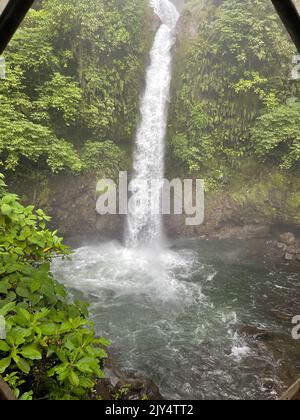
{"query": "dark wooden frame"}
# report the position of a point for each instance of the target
(290, 17)
(11, 19)
(16, 10)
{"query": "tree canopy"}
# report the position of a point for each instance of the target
(232, 85)
(74, 74)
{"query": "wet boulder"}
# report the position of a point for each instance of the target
(138, 389)
(288, 238)
(255, 332)
(125, 385)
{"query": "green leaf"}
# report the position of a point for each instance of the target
(27, 396)
(64, 374)
(85, 365)
(6, 209)
(49, 329)
(31, 352)
(4, 286)
(4, 346)
(17, 335)
(35, 286)
(23, 365)
(7, 308)
(101, 353)
(42, 314)
(86, 382)
(23, 292)
(22, 317)
(74, 380)
(4, 364)
(103, 341)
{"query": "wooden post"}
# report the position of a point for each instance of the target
(10, 19)
(288, 10)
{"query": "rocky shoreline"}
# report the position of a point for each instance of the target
(128, 386)
(269, 342)
(287, 248)
(280, 249)
(71, 202)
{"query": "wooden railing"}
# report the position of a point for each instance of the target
(288, 10)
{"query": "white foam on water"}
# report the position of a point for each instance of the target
(239, 348)
(159, 274)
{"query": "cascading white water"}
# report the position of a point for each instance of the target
(174, 314)
(144, 225)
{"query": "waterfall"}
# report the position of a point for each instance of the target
(144, 223)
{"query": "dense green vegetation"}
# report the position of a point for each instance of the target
(234, 98)
(50, 350)
(69, 103)
(74, 74)
(75, 70)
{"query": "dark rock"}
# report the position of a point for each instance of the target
(281, 315)
(282, 246)
(156, 22)
(6, 393)
(125, 386)
(280, 253)
(289, 257)
(138, 389)
(264, 336)
(288, 238)
(268, 384)
(105, 389)
(256, 333)
(71, 201)
(291, 250)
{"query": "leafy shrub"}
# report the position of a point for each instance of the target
(230, 74)
(61, 96)
(61, 155)
(23, 140)
(194, 148)
(57, 95)
(50, 350)
(104, 157)
(276, 136)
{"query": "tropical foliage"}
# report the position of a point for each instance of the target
(232, 86)
(276, 136)
(74, 74)
(49, 350)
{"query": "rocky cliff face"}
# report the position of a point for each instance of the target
(249, 205)
(254, 200)
(243, 210)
